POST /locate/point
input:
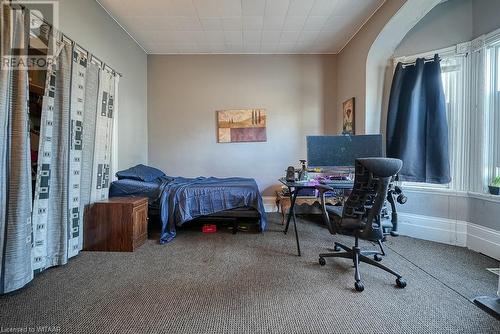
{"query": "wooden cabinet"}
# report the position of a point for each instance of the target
(117, 224)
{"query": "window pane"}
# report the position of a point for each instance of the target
(498, 68)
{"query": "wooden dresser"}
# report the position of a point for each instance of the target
(118, 224)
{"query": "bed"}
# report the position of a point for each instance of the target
(179, 200)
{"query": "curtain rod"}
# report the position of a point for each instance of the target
(426, 60)
(63, 35)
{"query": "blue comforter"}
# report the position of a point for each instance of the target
(183, 199)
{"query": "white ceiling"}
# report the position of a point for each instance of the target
(241, 26)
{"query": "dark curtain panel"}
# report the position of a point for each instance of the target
(417, 129)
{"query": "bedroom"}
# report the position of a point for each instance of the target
(174, 66)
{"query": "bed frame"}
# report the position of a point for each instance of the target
(233, 217)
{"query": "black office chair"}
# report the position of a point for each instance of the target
(361, 214)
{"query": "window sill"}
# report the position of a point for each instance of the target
(485, 197)
(437, 191)
(454, 193)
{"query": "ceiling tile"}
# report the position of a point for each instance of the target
(211, 23)
(304, 47)
(146, 23)
(179, 8)
(185, 22)
(206, 8)
(252, 22)
(268, 47)
(230, 7)
(234, 47)
(189, 36)
(154, 36)
(289, 36)
(308, 35)
(204, 48)
(286, 47)
(315, 22)
(215, 36)
(252, 37)
(134, 8)
(232, 23)
(337, 24)
(241, 26)
(162, 48)
(294, 22)
(233, 36)
(187, 47)
(251, 48)
(273, 22)
(300, 7)
(253, 7)
(276, 7)
(271, 36)
(323, 7)
(218, 48)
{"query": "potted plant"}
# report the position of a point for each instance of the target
(494, 186)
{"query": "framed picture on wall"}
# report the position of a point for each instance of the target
(241, 125)
(348, 117)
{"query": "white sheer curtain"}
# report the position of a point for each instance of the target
(492, 108)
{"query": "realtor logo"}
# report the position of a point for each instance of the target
(30, 40)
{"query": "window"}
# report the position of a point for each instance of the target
(454, 76)
(471, 83)
(492, 110)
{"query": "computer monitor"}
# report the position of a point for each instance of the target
(341, 151)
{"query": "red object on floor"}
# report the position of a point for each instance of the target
(209, 228)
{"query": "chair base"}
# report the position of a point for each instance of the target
(357, 255)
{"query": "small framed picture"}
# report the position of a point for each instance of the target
(348, 117)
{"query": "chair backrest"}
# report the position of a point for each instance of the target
(371, 182)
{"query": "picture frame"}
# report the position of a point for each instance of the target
(348, 117)
(241, 125)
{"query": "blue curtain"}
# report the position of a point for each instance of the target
(417, 129)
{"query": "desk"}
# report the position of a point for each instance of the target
(283, 202)
(293, 191)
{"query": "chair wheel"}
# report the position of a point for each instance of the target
(401, 283)
(322, 261)
(336, 248)
(377, 257)
(359, 286)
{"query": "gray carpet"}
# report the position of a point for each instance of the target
(254, 283)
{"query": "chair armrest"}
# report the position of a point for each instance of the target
(326, 218)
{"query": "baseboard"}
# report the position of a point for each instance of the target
(452, 232)
(483, 240)
(448, 231)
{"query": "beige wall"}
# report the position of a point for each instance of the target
(90, 26)
(457, 21)
(298, 91)
(352, 62)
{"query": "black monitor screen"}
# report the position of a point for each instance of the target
(341, 151)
